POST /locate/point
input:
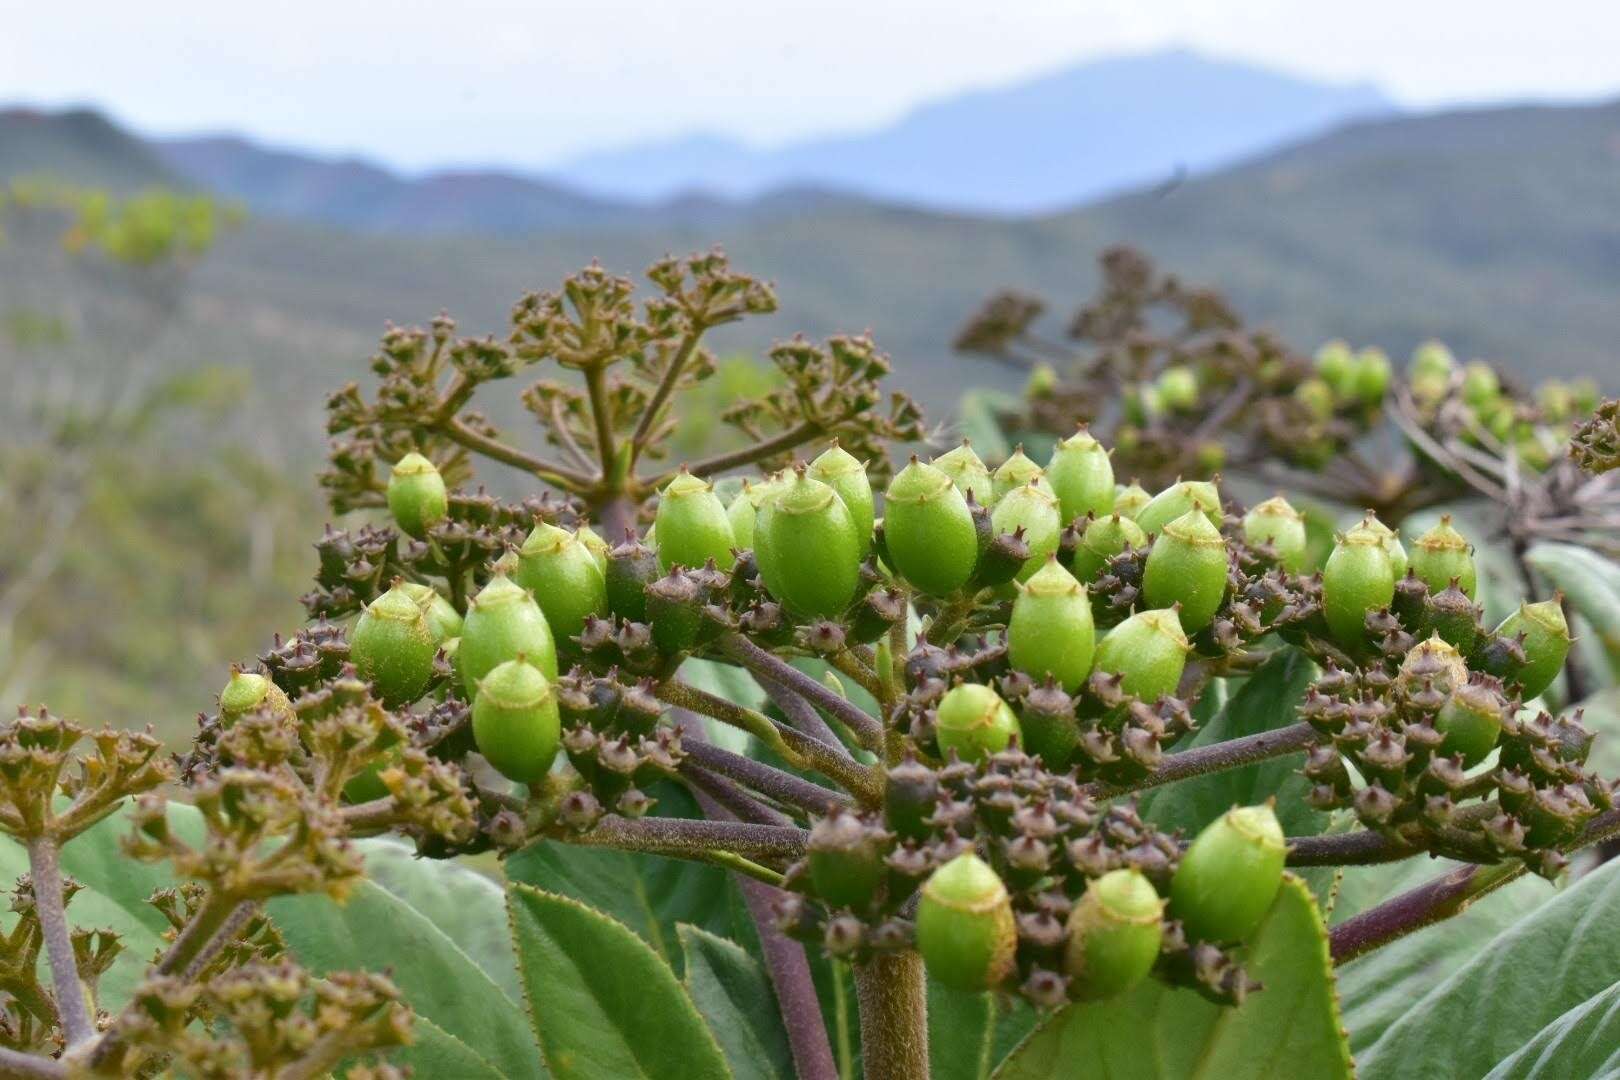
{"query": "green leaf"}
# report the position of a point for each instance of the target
(1591, 582)
(1585, 1041)
(604, 1004)
(377, 931)
(436, 1052)
(1290, 1028)
(1514, 985)
(734, 994)
(1267, 700)
(969, 1033)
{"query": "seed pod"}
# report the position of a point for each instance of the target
(1130, 499)
(416, 495)
(1187, 566)
(563, 575)
(845, 860)
(973, 720)
(1391, 541)
(1230, 875)
(1452, 615)
(1016, 472)
(965, 927)
(392, 648)
(1050, 631)
(846, 475)
(928, 530)
(1546, 644)
(692, 525)
(968, 472)
(249, 691)
(674, 611)
(1082, 476)
(1442, 554)
(1358, 578)
(1176, 500)
(809, 549)
(503, 622)
(1148, 650)
(631, 567)
(1372, 375)
(444, 621)
(1114, 935)
(1103, 538)
(515, 721)
(1035, 511)
(1471, 721)
(1048, 725)
(1277, 523)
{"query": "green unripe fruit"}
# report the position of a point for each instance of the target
(965, 927)
(973, 720)
(1435, 659)
(968, 472)
(1149, 650)
(1050, 631)
(1391, 541)
(416, 495)
(1336, 365)
(1187, 566)
(1442, 554)
(928, 530)
(1431, 360)
(392, 648)
(1042, 381)
(743, 513)
(1277, 523)
(1480, 386)
(1036, 512)
(1082, 475)
(1115, 932)
(692, 526)
(809, 550)
(515, 721)
(1372, 375)
(1178, 388)
(1230, 875)
(1104, 538)
(1546, 644)
(846, 475)
(1130, 499)
(1316, 396)
(443, 620)
(565, 579)
(503, 622)
(1358, 578)
(631, 567)
(1176, 500)
(1017, 472)
(248, 691)
(595, 545)
(845, 860)
(1472, 722)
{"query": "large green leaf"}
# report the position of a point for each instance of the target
(961, 1031)
(734, 994)
(1591, 582)
(1514, 985)
(605, 1005)
(1585, 1041)
(377, 931)
(1289, 1029)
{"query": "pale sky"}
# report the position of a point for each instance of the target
(418, 84)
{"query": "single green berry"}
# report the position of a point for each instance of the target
(503, 622)
(692, 525)
(973, 720)
(515, 720)
(565, 579)
(1431, 360)
(631, 567)
(743, 513)
(1546, 644)
(1176, 500)
(965, 927)
(443, 620)
(1336, 364)
(809, 549)
(1357, 579)
(1230, 875)
(968, 472)
(1277, 523)
(1050, 631)
(928, 530)
(1178, 388)
(1187, 566)
(1316, 397)
(1114, 935)
(416, 495)
(845, 858)
(1480, 386)
(1442, 554)
(1130, 499)
(1471, 721)
(1082, 475)
(1016, 472)
(595, 545)
(1103, 538)
(674, 611)
(1391, 541)
(1372, 375)
(1034, 510)
(392, 648)
(846, 474)
(1148, 650)
(249, 691)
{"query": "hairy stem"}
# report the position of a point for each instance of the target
(799, 712)
(596, 389)
(893, 999)
(853, 666)
(692, 838)
(1364, 848)
(757, 724)
(773, 783)
(666, 386)
(1217, 757)
(761, 663)
(45, 866)
(730, 795)
(796, 1001)
(618, 518)
(16, 1065)
(556, 475)
(787, 440)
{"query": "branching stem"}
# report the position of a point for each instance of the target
(45, 867)
(866, 728)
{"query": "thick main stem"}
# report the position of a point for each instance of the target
(789, 971)
(1218, 757)
(893, 997)
(45, 867)
(16, 1065)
